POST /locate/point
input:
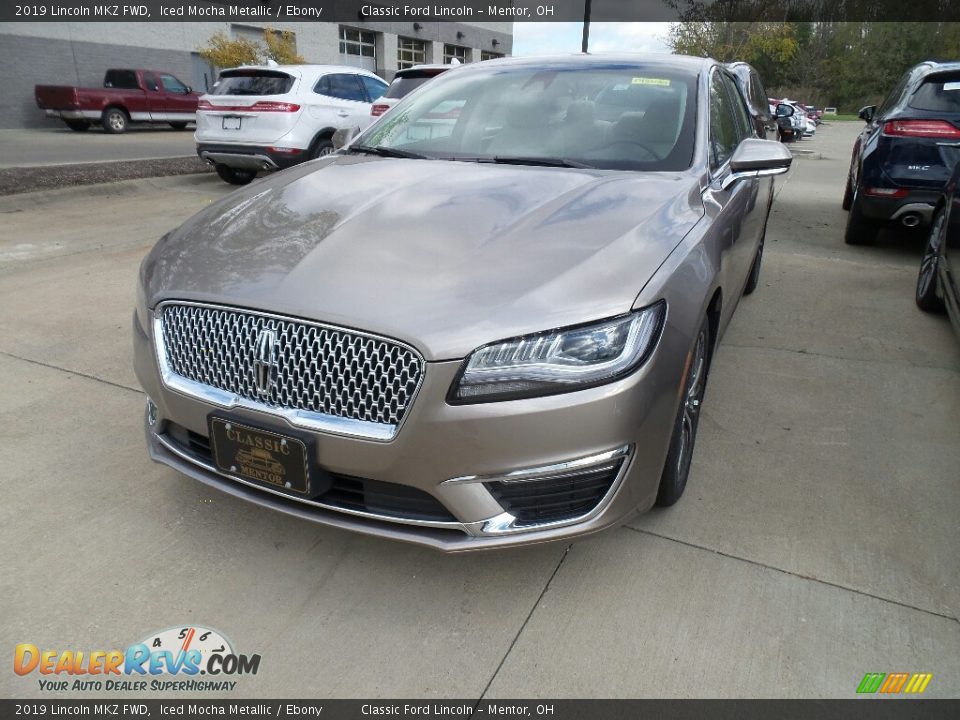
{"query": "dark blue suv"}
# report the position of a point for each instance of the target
(906, 153)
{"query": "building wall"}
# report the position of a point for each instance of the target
(79, 53)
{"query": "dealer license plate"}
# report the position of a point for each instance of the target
(254, 454)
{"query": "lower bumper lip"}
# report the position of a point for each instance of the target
(498, 525)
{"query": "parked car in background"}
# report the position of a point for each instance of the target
(530, 299)
(751, 86)
(127, 96)
(269, 118)
(905, 153)
(829, 111)
(789, 124)
(938, 284)
(404, 82)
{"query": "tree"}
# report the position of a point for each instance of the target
(224, 52)
(281, 47)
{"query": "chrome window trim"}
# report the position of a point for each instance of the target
(303, 419)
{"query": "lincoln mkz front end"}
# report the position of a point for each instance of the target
(470, 328)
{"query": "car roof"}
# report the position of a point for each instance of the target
(687, 63)
(300, 70)
(936, 66)
(428, 66)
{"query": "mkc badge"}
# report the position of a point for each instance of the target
(265, 361)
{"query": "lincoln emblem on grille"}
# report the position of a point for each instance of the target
(265, 361)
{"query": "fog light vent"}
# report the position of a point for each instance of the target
(560, 497)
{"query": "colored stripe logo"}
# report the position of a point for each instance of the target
(894, 683)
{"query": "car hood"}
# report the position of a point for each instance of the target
(444, 255)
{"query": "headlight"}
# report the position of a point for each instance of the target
(559, 360)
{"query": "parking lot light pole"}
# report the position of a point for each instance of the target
(586, 26)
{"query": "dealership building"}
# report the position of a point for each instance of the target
(78, 53)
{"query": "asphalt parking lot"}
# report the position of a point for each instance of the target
(816, 542)
(62, 146)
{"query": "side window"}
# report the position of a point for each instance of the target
(343, 86)
(724, 130)
(891, 100)
(375, 88)
(171, 84)
(150, 82)
(739, 108)
(121, 80)
(758, 96)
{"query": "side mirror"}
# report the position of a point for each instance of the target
(757, 158)
(188, 90)
(784, 110)
(866, 113)
(344, 136)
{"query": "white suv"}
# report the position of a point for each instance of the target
(268, 118)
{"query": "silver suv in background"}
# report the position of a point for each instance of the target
(269, 118)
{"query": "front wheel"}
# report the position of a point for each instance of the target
(115, 121)
(235, 176)
(927, 282)
(673, 480)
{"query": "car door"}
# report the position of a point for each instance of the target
(179, 102)
(154, 96)
(737, 210)
(340, 101)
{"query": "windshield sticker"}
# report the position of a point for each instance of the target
(662, 82)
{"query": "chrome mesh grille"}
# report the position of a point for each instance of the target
(318, 369)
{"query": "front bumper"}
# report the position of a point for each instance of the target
(456, 454)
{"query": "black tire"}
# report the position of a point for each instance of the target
(115, 121)
(847, 195)
(861, 230)
(78, 125)
(321, 148)
(178, 125)
(673, 480)
(927, 297)
(235, 176)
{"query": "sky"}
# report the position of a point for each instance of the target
(533, 38)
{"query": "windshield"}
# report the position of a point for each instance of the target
(620, 117)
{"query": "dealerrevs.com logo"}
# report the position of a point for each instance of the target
(189, 658)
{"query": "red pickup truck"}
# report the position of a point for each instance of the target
(127, 96)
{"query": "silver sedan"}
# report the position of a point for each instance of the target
(486, 321)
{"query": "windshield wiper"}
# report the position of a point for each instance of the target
(383, 151)
(544, 161)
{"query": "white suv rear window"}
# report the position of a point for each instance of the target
(253, 82)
